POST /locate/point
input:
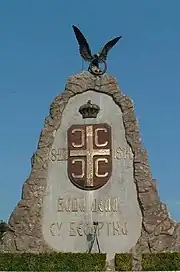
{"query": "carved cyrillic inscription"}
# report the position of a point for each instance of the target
(114, 228)
(55, 229)
(78, 204)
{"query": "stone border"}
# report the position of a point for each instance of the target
(159, 230)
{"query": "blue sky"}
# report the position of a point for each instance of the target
(38, 52)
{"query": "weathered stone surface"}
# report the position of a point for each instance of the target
(175, 247)
(160, 232)
(160, 243)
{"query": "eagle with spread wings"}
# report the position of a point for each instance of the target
(85, 50)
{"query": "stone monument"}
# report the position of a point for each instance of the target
(90, 188)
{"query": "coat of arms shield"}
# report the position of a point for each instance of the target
(89, 155)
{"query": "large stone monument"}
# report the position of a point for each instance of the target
(90, 188)
(89, 170)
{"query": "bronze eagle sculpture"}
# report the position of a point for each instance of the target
(85, 50)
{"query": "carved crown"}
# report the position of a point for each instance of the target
(89, 110)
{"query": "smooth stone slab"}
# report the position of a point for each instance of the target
(66, 230)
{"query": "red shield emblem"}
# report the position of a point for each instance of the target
(89, 155)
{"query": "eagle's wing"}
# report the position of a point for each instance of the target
(103, 53)
(83, 45)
